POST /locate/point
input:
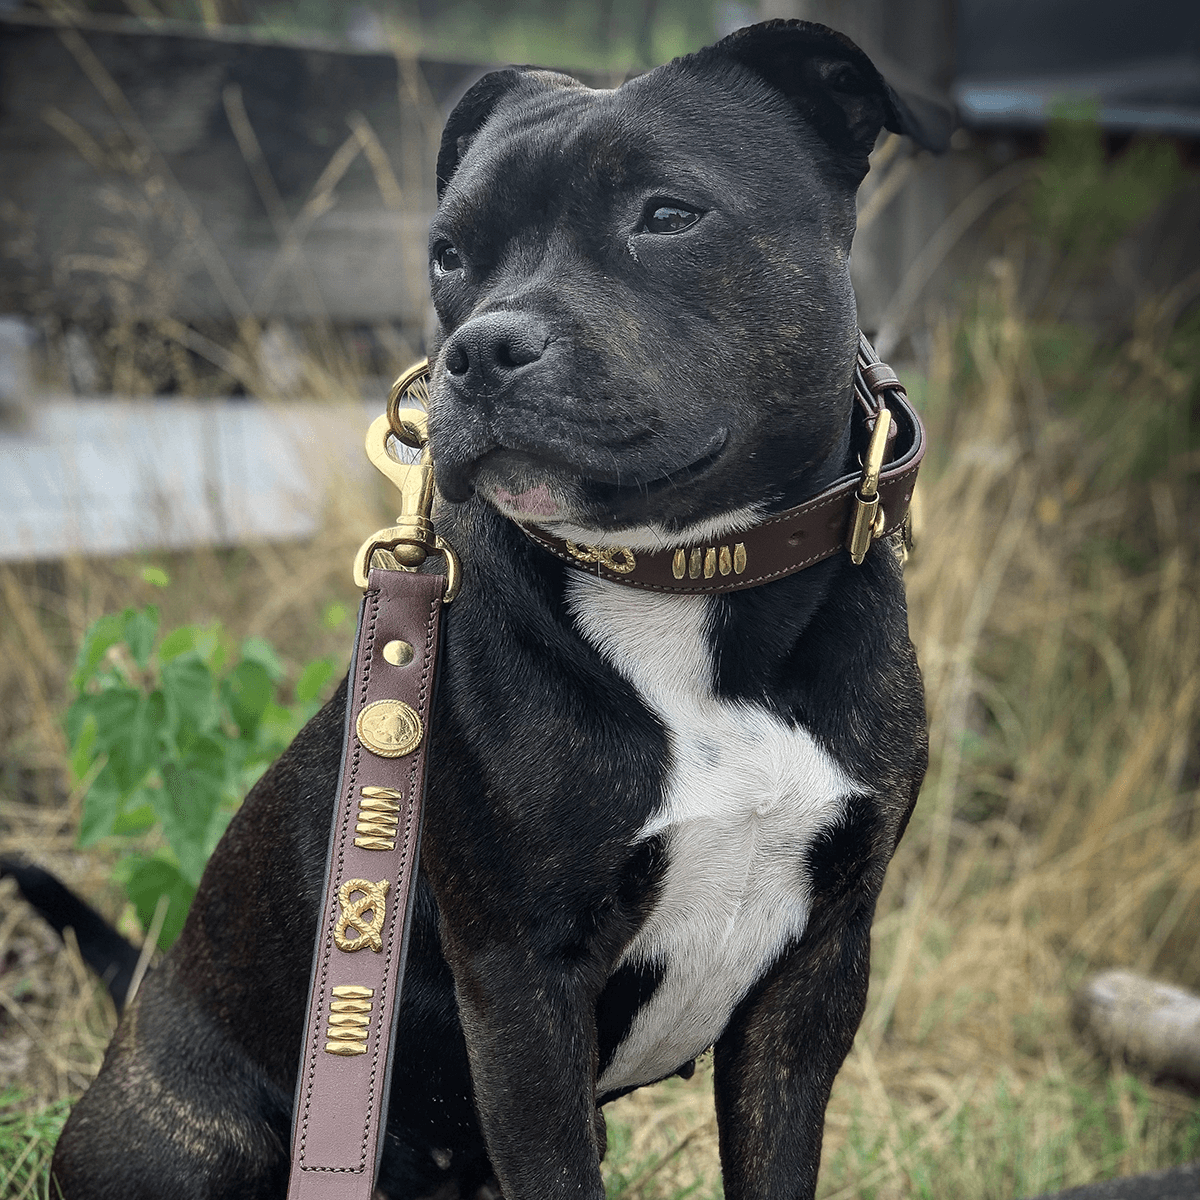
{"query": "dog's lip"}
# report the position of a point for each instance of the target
(528, 504)
(708, 455)
(536, 465)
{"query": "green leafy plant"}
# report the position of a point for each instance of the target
(167, 733)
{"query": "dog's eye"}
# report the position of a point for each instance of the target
(447, 259)
(667, 218)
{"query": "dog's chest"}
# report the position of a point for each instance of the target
(745, 794)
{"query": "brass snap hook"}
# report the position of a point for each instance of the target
(408, 422)
(405, 545)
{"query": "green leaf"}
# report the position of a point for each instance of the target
(156, 577)
(211, 755)
(146, 736)
(248, 690)
(114, 709)
(141, 628)
(333, 615)
(146, 880)
(179, 641)
(209, 643)
(313, 678)
(100, 808)
(220, 650)
(116, 713)
(189, 800)
(82, 736)
(136, 820)
(129, 728)
(259, 650)
(101, 634)
(191, 700)
(216, 830)
(275, 731)
(165, 757)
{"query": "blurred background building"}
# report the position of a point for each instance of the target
(230, 197)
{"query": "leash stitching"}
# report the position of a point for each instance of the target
(348, 791)
(399, 911)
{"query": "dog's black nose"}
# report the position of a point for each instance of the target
(490, 349)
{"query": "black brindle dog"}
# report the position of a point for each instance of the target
(655, 823)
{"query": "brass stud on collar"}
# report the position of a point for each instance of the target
(398, 653)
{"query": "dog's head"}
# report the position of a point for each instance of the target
(643, 295)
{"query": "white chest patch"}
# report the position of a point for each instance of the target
(745, 794)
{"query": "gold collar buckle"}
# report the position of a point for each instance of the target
(867, 521)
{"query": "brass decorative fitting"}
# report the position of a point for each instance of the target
(367, 929)
(868, 520)
(349, 1020)
(710, 560)
(406, 544)
(619, 559)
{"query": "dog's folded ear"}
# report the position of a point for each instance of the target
(468, 117)
(834, 85)
(478, 104)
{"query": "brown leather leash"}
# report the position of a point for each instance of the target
(358, 965)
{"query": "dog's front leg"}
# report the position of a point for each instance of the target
(776, 1061)
(530, 1031)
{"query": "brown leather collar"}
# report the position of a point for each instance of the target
(845, 516)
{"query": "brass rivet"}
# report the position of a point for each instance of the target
(398, 653)
(679, 564)
(725, 561)
(389, 728)
(739, 557)
(710, 562)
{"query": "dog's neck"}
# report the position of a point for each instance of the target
(843, 513)
(749, 547)
(837, 463)
(652, 536)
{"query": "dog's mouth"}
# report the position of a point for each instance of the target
(546, 488)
